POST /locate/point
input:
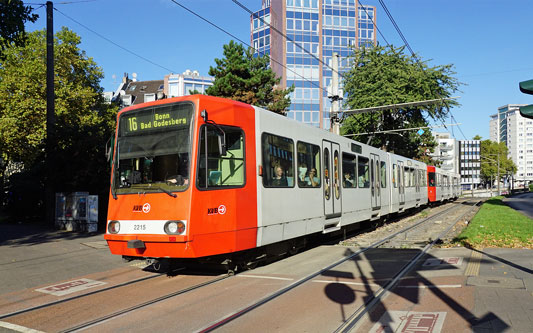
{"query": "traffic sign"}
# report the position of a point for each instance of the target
(527, 88)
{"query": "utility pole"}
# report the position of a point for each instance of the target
(335, 95)
(499, 193)
(50, 116)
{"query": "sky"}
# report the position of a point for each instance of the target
(489, 42)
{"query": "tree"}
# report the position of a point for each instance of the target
(477, 137)
(383, 76)
(13, 15)
(242, 77)
(83, 121)
(491, 154)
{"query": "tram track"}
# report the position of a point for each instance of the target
(353, 319)
(103, 319)
(214, 324)
(62, 307)
(350, 324)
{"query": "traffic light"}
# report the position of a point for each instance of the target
(527, 88)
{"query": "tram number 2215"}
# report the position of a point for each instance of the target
(139, 227)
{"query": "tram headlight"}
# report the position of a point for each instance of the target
(174, 227)
(113, 227)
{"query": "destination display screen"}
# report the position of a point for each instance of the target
(156, 118)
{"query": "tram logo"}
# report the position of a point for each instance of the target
(217, 210)
(146, 208)
(141, 208)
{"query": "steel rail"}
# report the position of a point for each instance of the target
(42, 306)
(354, 319)
(103, 319)
(301, 281)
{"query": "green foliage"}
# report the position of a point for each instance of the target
(497, 225)
(83, 121)
(477, 137)
(13, 15)
(242, 77)
(385, 75)
(492, 153)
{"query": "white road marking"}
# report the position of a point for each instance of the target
(377, 285)
(266, 277)
(18, 328)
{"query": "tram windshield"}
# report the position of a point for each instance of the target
(153, 149)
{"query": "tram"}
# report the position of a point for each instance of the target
(207, 178)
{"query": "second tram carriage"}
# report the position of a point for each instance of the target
(200, 176)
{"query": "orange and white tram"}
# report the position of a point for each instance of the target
(205, 177)
(442, 185)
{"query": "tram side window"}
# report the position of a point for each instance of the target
(214, 170)
(406, 177)
(308, 165)
(349, 163)
(423, 180)
(383, 175)
(363, 172)
(278, 161)
(395, 175)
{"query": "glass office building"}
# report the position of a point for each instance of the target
(301, 36)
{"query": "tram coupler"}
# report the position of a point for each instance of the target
(159, 265)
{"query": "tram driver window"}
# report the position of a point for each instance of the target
(214, 170)
(308, 165)
(278, 161)
(363, 172)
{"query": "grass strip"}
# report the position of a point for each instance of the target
(497, 225)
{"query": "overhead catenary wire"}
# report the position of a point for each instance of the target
(389, 14)
(117, 45)
(286, 37)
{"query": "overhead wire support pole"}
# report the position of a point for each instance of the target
(335, 95)
(50, 116)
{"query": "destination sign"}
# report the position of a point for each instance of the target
(150, 120)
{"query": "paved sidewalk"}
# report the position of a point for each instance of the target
(31, 255)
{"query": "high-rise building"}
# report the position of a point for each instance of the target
(470, 160)
(517, 133)
(301, 36)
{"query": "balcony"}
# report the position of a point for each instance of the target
(443, 147)
(445, 157)
(447, 166)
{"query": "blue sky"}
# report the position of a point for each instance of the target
(488, 42)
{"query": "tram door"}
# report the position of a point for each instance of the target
(331, 174)
(375, 181)
(417, 183)
(401, 184)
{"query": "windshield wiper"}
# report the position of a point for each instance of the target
(174, 195)
(153, 187)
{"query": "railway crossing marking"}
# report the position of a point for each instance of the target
(70, 287)
(406, 321)
(454, 261)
